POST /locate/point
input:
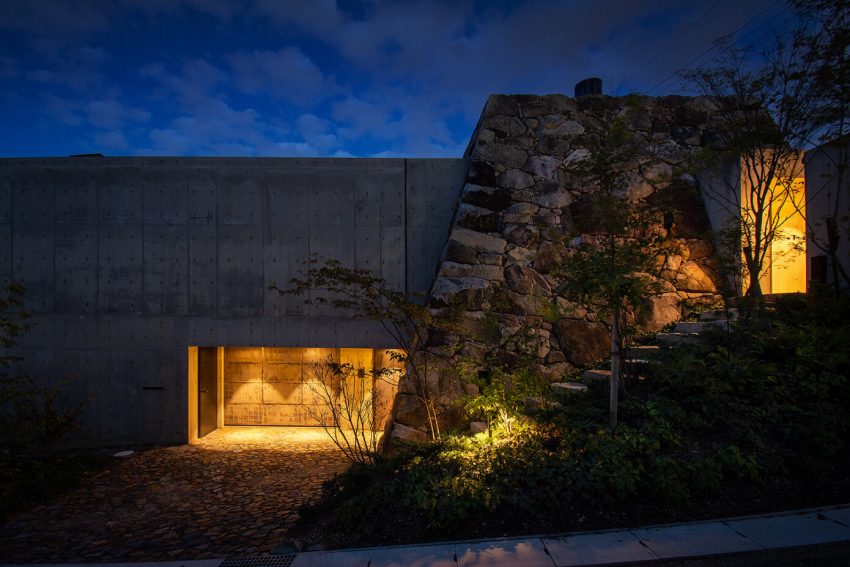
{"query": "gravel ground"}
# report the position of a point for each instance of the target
(234, 493)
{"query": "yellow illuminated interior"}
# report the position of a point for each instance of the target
(788, 250)
(273, 386)
(784, 269)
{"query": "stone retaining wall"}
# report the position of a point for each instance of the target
(521, 210)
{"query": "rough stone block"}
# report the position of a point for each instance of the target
(495, 199)
(478, 241)
(448, 290)
(483, 271)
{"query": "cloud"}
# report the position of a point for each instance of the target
(111, 114)
(320, 17)
(193, 88)
(111, 140)
(295, 149)
(63, 111)
(221, 9)
(51, 24)
(359, 117)
(286, 74)
(323, 77)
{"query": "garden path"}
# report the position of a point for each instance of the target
(235, 492)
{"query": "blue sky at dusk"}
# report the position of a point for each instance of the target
(323, 78)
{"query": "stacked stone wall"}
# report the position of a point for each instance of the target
(520, 212)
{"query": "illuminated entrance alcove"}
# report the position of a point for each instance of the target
(284, 386)
(784, 223)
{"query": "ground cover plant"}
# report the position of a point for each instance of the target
(752, 420)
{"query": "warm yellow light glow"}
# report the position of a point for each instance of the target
(276, 386)
(788, 249)
(782, 228)
(237, 435)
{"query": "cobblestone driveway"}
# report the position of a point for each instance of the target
(234, 493)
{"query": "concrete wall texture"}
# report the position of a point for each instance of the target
(129, 261)
(826, 182)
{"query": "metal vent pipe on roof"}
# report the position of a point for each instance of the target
(589, 86)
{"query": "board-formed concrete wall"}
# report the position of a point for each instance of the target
(129, 261)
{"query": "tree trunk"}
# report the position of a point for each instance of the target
(754, 287)
(616, 364)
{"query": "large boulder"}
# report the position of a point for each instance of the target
(583, 343)
(663, 309)
(692, 277)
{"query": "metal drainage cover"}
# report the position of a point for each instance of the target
(271, 561)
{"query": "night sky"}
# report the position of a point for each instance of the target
(323, 78)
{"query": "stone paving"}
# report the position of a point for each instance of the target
(234, 493)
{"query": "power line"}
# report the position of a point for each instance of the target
(669, 44)
(714, 46)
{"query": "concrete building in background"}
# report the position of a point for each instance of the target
(148, 279)
(828, 209)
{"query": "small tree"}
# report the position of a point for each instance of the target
(349, 406)
(764, 119)
(824, 38)
(366, 296)
(610, 268)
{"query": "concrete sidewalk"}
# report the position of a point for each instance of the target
(789, 538)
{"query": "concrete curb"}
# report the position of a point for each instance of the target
(781, 538)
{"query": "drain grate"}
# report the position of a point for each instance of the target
(271, 561)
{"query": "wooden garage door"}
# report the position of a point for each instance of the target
(270, 386)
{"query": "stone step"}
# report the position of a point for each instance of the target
(699, 326)
(644, 351)
(639, 362)
(569, 386)
(719, 314)
(676, 339)
(596, 375)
